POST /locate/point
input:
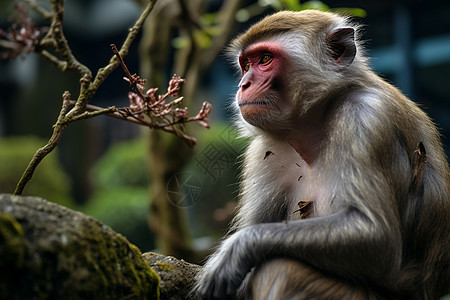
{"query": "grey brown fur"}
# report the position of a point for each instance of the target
(380, 222)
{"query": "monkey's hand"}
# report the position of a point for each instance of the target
(226, 269)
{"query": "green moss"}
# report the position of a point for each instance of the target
(165, 267)
(11, 241)
(155, 280)
(12, 248)
(111, 263)
(63, 254)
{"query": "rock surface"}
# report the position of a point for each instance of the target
(177, 276)
(51, 252)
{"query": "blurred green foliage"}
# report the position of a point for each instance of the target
(49, 181)
(216, 169)
(297, 5)
(121, 185)
(256, 9)
(121, 194)
(124, 164)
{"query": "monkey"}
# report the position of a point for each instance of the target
(329, 136)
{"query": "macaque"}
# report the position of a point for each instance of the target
(346, 187)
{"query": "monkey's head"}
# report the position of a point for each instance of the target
(289, 61)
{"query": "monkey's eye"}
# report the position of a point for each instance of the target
(266, 59)
(246, 67)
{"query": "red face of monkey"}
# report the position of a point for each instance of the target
(285, 74)
(261, 90)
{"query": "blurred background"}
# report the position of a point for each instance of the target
(149, 185)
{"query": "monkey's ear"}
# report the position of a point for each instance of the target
(341, 43)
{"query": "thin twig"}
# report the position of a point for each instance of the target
(40, 10)
(115, 113)
(114, 63)
(58, 129)
(60, 64)
(122, 63)
(121, 114)
(149, 106)
(133, 80)
(56, 39)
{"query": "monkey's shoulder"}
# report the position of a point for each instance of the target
(382, 100)
(381, 111)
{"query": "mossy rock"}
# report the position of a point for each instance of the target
(177, 276)
(51, 252)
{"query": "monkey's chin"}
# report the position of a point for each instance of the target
(262, 116)
(254, 110)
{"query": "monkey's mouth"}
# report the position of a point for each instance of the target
(261, 103)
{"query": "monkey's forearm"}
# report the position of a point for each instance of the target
(345, 243)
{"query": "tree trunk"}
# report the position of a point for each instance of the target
(168, 154)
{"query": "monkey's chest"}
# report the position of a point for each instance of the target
(293, 180)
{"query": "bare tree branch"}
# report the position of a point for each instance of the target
(145, 108)
(65, 60)
(58, 129)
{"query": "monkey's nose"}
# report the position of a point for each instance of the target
(245, 85)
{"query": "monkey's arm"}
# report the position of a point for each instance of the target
(346, 243)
